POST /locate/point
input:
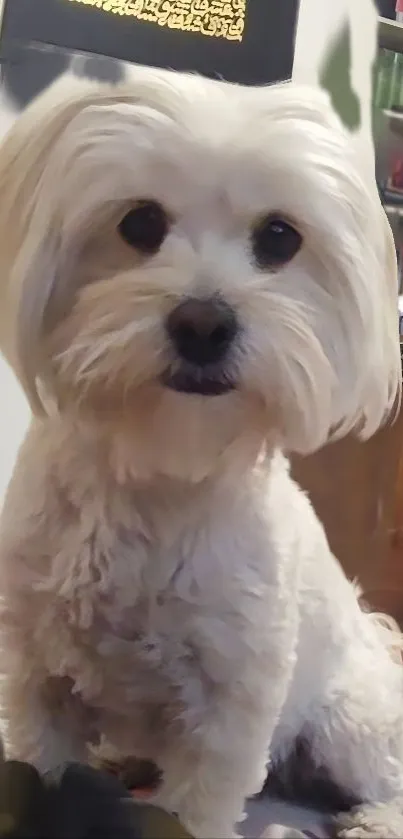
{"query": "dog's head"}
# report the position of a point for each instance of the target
(200, 258)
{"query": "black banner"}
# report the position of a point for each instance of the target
(246, 41)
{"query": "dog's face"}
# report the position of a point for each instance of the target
(201, 259)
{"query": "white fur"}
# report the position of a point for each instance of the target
(164, 581)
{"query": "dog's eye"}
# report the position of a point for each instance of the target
(275, 242)
(145, 226)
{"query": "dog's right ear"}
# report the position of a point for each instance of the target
(31, 258)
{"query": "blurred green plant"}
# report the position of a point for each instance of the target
(335, 77)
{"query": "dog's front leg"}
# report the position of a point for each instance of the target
(41, 721)
(208, 777)
(38, 734)
(219, 758)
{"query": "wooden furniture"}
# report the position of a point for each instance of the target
(357, 491)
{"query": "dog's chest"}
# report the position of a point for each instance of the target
(115, 636)
(124, 603)
(133, 604)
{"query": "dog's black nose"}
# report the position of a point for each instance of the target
(202, 330)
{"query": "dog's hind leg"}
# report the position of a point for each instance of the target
(356, 733)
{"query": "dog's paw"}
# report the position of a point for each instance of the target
(133, 773)
(381, 821)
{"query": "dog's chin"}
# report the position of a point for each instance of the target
(197, 385)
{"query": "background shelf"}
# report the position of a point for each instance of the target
(390, 35)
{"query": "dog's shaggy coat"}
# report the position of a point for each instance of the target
(164, 581)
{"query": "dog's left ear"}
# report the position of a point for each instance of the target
(379, 391)
(359, 244)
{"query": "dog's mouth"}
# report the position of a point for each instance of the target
(197, 385)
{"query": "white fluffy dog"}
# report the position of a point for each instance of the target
(194, 278)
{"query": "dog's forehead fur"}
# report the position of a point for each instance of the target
(184, 124)
(182, 139)
(197, 130)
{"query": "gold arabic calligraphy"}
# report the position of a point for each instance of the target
(214, 18)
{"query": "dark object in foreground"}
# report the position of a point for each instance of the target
(77, 802)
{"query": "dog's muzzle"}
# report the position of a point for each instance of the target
(202, 332)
